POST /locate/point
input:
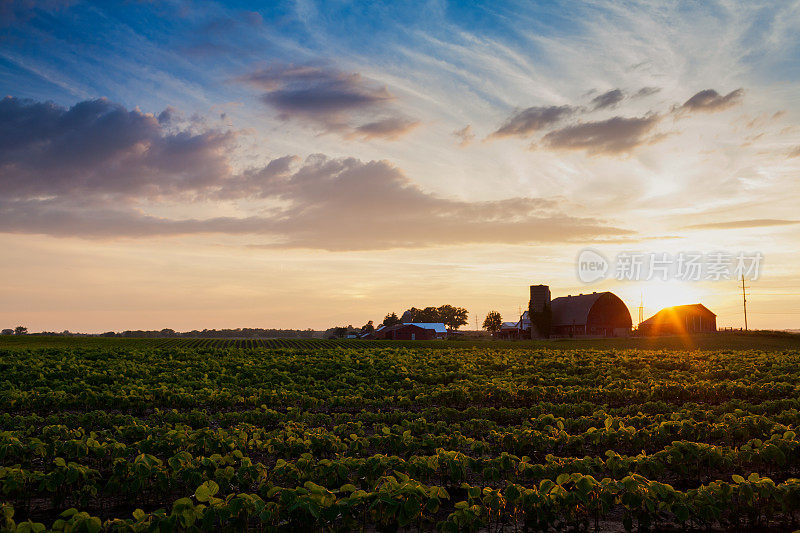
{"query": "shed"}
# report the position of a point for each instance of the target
(415, 331)
(680, 320)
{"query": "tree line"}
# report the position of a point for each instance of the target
(451, 316)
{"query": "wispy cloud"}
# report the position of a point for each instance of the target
(464, 135)
(608, 99)
(533, 119)
(711, 101)
(749, 223)
(390, 128)
(613, 136)
(644, 92)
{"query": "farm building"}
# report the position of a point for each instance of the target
(679, 320)
(599, 314)
(414, 331)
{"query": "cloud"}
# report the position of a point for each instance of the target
(646, 91)
(795, 152)
(98, 147)
(608, 99)
(329, 99)
(533, 119)
(348, 204)
(710, 101)
(388, 128)
(612, 136)
(751, 223)
(97, 169)
(465, 135)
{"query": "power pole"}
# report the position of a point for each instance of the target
(744, 302)
(641, 307)
(476, 322)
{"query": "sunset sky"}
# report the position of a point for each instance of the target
(313, 164)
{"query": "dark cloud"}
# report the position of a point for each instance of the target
(169, 115)
(465, 135)
(533, 119)
(711, 101)
(608, 99)
(388, 128)
(646, 91)
(321, 96)
(612, 136)
(98, 147)
(750, 223)
(95, 169)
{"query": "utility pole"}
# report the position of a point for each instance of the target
(476, 322)
(641, 307)
(744, 302)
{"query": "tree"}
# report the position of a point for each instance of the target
(20, 330)
(493, 322)
(391, 320)
(452, 317)
(367, 328)
(8, 332)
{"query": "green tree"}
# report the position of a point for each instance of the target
(493, 322)
(390, 320)
(452, 317)
(20, 330)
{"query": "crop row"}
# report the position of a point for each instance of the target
(571, 501)
(684, 462)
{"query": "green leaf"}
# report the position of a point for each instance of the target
(93, 525)
(206, 491)
(563, 478)
(737, 478)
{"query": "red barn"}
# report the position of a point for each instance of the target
(600, 314)
(414, 331)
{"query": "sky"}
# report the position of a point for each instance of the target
(310, 164)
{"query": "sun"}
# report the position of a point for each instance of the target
(658, 294)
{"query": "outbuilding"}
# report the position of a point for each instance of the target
(680, 320)
(415, 331)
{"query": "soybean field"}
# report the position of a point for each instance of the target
(302, 435)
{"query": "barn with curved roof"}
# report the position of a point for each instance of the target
(601, 314)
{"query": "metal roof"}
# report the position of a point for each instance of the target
(438, 327)
(676, 309)
(569, 310)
